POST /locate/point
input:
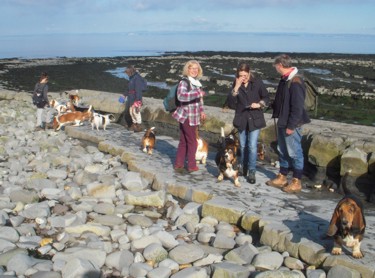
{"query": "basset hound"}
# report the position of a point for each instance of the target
(348, 225)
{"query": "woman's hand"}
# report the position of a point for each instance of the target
(255, 105)
(203, 116)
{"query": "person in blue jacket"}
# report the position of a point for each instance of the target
(136, 86)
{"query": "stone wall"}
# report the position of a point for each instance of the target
(331, 148)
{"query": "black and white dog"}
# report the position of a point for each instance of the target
(100, 120)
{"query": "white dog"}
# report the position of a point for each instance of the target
(99, 120)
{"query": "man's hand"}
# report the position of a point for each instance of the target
(289, 131)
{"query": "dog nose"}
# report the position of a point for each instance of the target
(345, 222)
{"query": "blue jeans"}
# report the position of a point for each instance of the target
(290, 151)
(249, 139)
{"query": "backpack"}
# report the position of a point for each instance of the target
(311, 98)
(38, 98)
(171, 102)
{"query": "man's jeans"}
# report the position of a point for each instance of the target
(249, 139)
(290, 150)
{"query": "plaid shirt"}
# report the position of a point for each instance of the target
(192, 110)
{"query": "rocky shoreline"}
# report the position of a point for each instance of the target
(70, 210)
(346, 82)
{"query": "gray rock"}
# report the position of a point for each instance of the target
(139, 269)
(78, 267)
(9, 234)
(155, 252)
(191, 272)
(133, 181)
(186, 253)
(228, 269)
(139, 220)
(268, 261)
(159, 272)
(242, 255)
(119, 259)
(224, 242)
(340, 271)
(24, 196)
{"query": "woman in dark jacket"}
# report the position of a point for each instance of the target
(248, 97)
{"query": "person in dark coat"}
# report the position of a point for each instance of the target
(288, 108)
(44, 113)
(248, 97)
(136, 86)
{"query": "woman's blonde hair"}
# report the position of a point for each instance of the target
(185, 71)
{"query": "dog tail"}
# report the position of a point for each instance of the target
(222, 137)
(344, 183)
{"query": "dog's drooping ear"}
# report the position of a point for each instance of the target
(359, 222)
(334, 224)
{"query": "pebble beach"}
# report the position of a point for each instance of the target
(70, 210)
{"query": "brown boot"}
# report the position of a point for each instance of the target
(293, 187)
(132, 127)
(280, 181)
(137, 128)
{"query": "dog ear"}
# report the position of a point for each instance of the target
(333, 225)
(359, 223)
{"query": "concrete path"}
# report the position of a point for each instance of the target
(305, 215)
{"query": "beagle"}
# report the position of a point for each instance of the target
(226, 159)
(60, 107)
(348, 225)
(75, 117)
(148, 141)
(202, 149)
(74, 98)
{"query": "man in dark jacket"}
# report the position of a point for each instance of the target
(137, 84)
(288, 107)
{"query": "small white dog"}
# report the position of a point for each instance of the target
(99, 120)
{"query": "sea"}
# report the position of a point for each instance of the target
(154, 44)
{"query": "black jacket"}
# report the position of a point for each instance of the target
(246, 118)
(288, 106)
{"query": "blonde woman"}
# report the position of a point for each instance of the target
(189, 114)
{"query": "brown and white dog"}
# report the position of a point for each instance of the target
(76, 118)
(348, 225)
(226, 159)
(202, 149)
(99, 120)
(74, 98)
(60, 107)
(148, 141)
(261, 151)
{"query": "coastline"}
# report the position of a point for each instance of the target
(347, 81)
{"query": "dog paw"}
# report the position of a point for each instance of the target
(357, 255)
(336, 251)
(144, 150)
(237, 184)
(220, 178)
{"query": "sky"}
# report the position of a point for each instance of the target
(35, 17)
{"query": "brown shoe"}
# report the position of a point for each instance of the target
(279, 182)
(137, 128)
(293, 187)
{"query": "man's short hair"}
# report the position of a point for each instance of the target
(284, 60)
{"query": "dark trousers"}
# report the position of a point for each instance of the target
(187, 146)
